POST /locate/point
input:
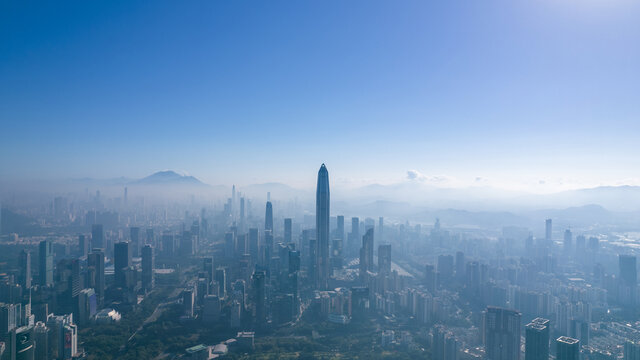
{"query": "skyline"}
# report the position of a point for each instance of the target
(438, 93)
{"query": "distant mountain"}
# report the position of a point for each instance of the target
(169, 177)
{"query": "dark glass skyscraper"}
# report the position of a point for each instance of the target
(567, 348)
(537, 340)
(268, 217)
(97, 236)
(322, 227)
(25, 269)
(45, 262)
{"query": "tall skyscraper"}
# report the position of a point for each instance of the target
(366, 254)
(354, 237)
(45, 262)
(628, 270)
(97, 236)
(288, 235)
(268, 217)
(502, 334)
(548, 228)
(380, 230)
(25, 269)
(340, 227)
(259, 297)
(567, 348)
(537, 340)
(322, 227)
(384, 259)
(95, 262)
(83, 246)
(134, 235)
(460, 265)
(568, 241)
(122, 260)
(147, 267)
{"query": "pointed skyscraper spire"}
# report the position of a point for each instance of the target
(322, 228)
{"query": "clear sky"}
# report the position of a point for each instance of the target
(517, 94)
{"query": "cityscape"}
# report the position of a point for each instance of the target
(361, 179)
(98, 277)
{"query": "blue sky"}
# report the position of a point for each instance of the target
(538, 95)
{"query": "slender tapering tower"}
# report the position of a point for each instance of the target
(268, 217)
(322, 228)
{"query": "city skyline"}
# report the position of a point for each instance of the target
(127, 90)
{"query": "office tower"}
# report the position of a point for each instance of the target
(354, 236)
(148, 262)
(384, 259)
(268, 217)
(502, 334)
(537, 340)
(25, 269)
(632, 350)
(322, 227)
(188, 301)
(628, 270)
(548, 230)
(122, 260)
(340, 227)
(445, 266)
(87, 305)
(7, 319)
(568, 241)
(221, 279)
(97, 236)
(83, 246)
(366, 254)
(380, 229)
(430, 278)
(460, 265)
(259, 297)
(19, 344)
(211, 307)
(95, 262)
(254, 244)
(134, 235)
(41, 337)
(567, 348)
(288, 236)
(168, 244)
(45, 262)
(63, 336)
(67, 285)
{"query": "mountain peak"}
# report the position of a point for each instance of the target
(169, 177)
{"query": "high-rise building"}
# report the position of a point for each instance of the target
(63, 343)
(25, 269)
(221, 279)
(147, 267)
(340, 227)
(502, 334)
(548, 229)
(258, 289)
(380, 229)
(537, 340)
(568, 241)
(122, 261)
(322, 228)
(384, 259)
(288, 235)
(95, 262)
(366, 254)
(354, 237)
(83, 246)
(567, 348)
(268, 217)
(97, 236)
(628, 270)
(134, 235)
(45, 262)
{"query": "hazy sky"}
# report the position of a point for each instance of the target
(519, 94)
